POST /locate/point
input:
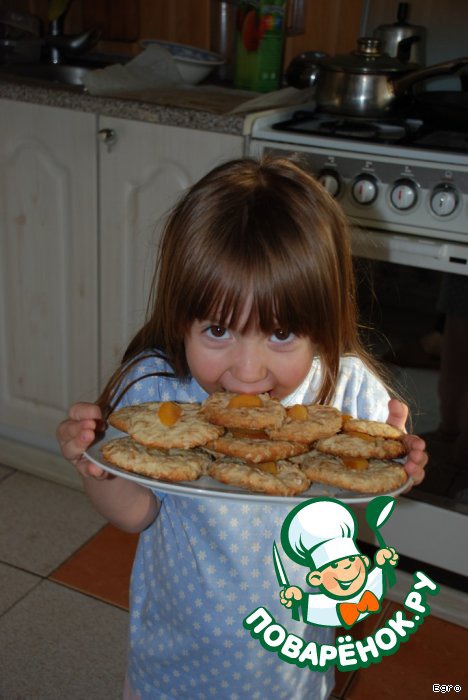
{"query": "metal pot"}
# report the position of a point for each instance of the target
(301, 72)
(369, 83)
(402, 39)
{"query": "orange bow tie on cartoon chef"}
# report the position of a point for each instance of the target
(349, 612)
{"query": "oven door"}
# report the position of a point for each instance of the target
(426, 253)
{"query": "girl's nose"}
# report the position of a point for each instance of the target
(248, 364)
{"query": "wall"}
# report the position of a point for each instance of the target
(329, 25)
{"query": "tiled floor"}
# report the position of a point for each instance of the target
(63, 609)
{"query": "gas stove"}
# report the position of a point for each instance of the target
(403, 186)
(404, 190)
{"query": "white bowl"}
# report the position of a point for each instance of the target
(194, 64)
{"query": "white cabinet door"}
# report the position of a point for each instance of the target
(48, 266)
(141, 176)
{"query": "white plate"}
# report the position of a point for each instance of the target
(206, 486)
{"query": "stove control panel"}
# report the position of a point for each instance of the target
(409, 193)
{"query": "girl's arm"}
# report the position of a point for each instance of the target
(417, 457)
(125, 504)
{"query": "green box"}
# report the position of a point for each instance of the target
(259, 45)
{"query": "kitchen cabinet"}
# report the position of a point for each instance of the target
(82, 200)
(48, 266)
(141, 174)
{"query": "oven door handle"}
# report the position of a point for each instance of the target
(410, 250)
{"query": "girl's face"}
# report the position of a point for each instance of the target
(224, 359)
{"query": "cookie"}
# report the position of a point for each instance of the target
(144, 423)
(255, 450)
(287, 480)
(170, 465)
(246, 411)
(372, 427)
(380, 476)
(307, 423)
(347, 445)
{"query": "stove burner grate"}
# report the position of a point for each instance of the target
(378, 130)
(382, 131)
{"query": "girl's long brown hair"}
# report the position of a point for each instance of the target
(264, 227)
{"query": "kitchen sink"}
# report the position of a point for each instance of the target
(56, 73)
(62, 73)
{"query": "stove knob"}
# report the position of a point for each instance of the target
(331, 181)
(365, 189)
(404, 194)
(444, 200)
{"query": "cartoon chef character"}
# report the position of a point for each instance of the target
(320, 534)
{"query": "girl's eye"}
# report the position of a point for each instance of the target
(280, 336)
(216, 331)
(334, 565)
(351, 559)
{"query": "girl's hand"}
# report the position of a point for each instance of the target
(417, 457)
(76, 434)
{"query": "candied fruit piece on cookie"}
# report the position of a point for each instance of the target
(298, 412)
(269, 467)
(357, 463)
(169, 413)
(245, 401)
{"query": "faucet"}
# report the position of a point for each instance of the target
(63, 45)
(55, 30)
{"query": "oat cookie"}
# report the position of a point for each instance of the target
(142, 422)
(344, 445)
(171, 465)
(380, 476)
(372, 427)
(288, 480)
(308, 423)
(218, 409)
(255, 450)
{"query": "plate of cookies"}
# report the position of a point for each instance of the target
(251, 446)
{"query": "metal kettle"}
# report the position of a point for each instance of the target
(402, 39)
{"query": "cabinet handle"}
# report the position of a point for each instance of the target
(108, 137)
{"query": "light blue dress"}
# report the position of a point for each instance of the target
(206, 563)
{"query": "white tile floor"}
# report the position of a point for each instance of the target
(55, 643)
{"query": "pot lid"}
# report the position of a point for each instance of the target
(368, 58)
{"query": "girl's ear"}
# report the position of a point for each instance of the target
(366, 561)
(314, 578)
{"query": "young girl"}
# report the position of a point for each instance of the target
(254, 293)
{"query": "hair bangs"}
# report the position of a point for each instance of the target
(257, 277)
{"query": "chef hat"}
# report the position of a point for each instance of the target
(319, 532)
